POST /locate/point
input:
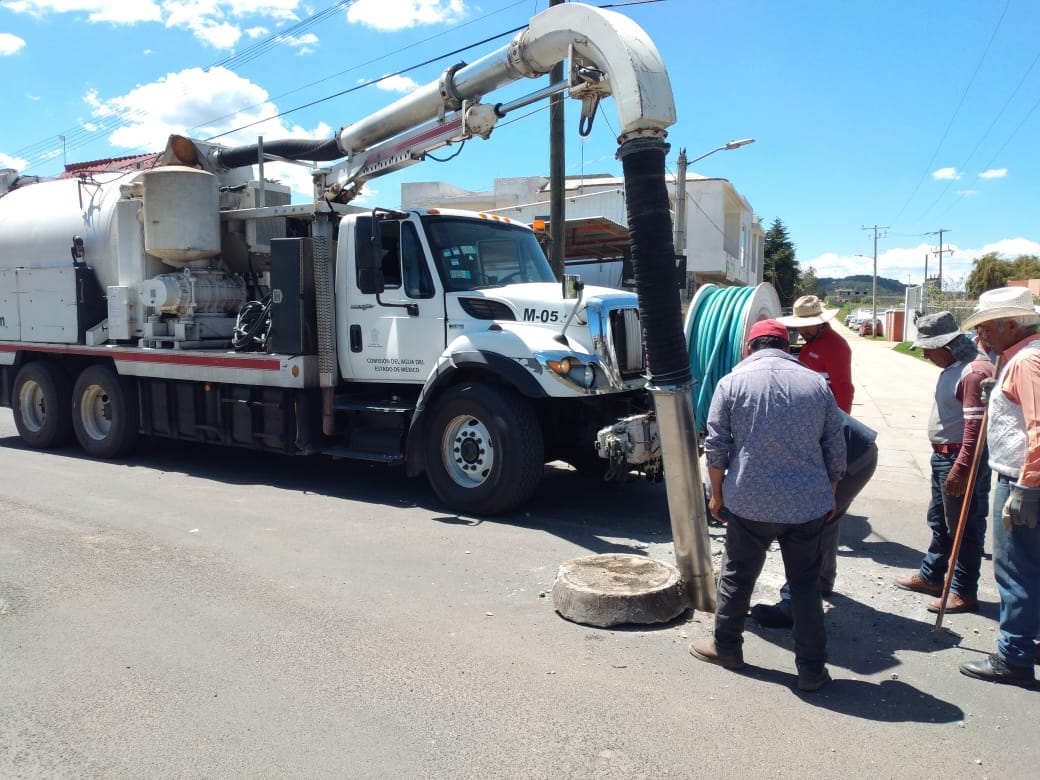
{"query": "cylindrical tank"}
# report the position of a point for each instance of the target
(38, 223)
(181, 214)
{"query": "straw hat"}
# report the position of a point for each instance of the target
(1004, 302)
(808, 310)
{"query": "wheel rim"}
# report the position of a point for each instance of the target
(32, 406)
(96, 412)
(467, 451)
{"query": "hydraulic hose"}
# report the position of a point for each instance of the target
(715, 329)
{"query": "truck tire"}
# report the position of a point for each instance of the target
(42, 405)
(104, 413)
(484, 451)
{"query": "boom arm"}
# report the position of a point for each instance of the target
(609, 55)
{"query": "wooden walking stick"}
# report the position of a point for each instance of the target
(969, 488)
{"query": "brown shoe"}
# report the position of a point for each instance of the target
(704, 650)
(918, 584)
(955, 604)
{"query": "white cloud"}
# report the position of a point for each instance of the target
(390, 15)
(907, 264)
(994, 173)
(304, 44)
(397, 84)
(946, 174)
(967, 193)
(7, 161)
(111, 11)
(214, 22)
(187, 102)
(10, 44)
(256, 32)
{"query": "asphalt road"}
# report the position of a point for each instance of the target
(197, 612)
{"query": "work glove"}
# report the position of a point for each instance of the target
(1022, 506)
(986, 387)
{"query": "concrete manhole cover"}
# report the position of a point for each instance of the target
(613, 590)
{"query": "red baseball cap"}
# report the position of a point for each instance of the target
(767, 328)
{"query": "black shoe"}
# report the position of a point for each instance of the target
(773, 615)
(996, 669)
(813, 681)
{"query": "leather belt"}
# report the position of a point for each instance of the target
(947, 449)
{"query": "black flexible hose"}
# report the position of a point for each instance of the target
(653, 260)
(253, 326)
(239, 156)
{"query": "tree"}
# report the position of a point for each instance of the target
(1025, 267)
(992, 271)
(780, 266)
(809, 284)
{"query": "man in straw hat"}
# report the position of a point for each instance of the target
(1007, 320)
(826, 353)
(775, 451)
(953, 429)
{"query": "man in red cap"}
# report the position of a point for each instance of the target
(775, 450)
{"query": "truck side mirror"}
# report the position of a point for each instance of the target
(572, 286)
(369, 256)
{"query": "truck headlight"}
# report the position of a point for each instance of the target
(574, 370)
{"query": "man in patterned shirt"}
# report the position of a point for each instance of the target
(774, 450)
(954, 431)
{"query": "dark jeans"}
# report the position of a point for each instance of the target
(1016, 564)
(944, 513)
(747, 542)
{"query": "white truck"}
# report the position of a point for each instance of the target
(192, 300)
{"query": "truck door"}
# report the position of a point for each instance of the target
(395, 335)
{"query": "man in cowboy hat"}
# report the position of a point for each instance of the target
(775, 451)
(825, 351)
(953, 428)
(1007, 320)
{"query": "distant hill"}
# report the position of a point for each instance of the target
(862, 285)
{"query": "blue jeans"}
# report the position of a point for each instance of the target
(1016, 563)
(944, 513)
(747, 542)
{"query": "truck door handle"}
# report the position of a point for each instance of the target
(355, 338)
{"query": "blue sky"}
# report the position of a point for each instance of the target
(912, 116)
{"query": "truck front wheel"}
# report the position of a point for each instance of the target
(484, 451)
(42, 405)
(104, 413)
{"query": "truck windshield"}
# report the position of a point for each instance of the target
(474, 253)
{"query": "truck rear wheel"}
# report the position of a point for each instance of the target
(42, 405)
(484, 451)
(104, 413)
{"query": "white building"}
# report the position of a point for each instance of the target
(724, 240)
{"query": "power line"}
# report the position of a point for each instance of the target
(956, 111)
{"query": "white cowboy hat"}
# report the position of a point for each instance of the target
(808, 310)
(1004, 302)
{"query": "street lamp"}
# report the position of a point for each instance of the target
(724, 148)
(873, 297)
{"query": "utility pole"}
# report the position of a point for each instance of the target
(557, 217)
(873, 293)
(940, 251)
(924, 288)
(679, 228)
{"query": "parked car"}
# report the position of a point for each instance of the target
(868, 328)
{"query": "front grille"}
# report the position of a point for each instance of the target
(626, 342)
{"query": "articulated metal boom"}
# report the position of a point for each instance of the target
(609, 54)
